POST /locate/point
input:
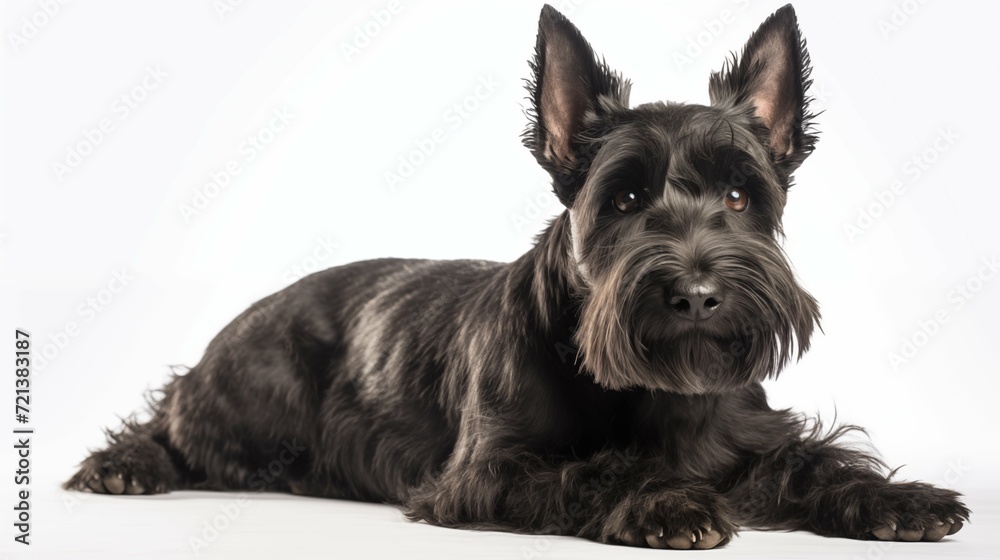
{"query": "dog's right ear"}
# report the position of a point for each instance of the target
(772, 76)
(569, 84)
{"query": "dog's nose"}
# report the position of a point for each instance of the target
(696, 301)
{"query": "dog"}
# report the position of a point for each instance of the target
(605, 385)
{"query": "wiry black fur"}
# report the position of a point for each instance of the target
(560, 393)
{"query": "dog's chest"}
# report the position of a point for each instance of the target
(691, 435)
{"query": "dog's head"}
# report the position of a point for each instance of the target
(675, 211)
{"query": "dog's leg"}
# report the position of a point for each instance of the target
(613, 497)
(833, 490)
(137, 460)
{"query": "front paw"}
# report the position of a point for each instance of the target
(673, 518)
(933, 530)
(913, 511)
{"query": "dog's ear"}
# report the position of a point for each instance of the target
(568, 84)
(772, 76)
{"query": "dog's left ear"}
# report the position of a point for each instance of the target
(772, 76)
(568, 84)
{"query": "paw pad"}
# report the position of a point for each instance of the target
(117, 483)
(934, 531)
(699, 538)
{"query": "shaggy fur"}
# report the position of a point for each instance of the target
(607, 384)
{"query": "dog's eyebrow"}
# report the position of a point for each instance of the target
(643, 157)
(722, 120)
(714, 159)
(721, 134)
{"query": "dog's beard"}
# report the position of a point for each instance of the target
(628, 336)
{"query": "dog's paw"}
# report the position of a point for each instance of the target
(132, 468)
(934, 530)
(914, 511)
(107, 480)
(679, 519)
(701, 538)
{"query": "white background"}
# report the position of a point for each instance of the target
(889, 82)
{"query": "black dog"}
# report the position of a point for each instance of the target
(607, 384)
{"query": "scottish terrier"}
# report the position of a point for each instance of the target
(607, 384)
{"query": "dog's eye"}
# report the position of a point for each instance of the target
(626, 201)
(737, 199)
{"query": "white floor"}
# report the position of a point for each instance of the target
(179, 525)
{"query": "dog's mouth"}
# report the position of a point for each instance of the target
(716, 348)
(726, 344)
(712, 327)
(699, 357)
(701, 361)
(694, 336)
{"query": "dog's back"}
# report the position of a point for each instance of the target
(321, 389)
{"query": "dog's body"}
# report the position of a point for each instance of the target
(607, 384)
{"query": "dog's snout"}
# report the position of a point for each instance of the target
(696, 301)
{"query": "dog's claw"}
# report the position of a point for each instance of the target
(938, 531)
(114, 484)
(631, 539)
(135, 488)
(92, 485)
(680, 542)
(885, 533)
(700, 538)
(709, 539)
(910, 535)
